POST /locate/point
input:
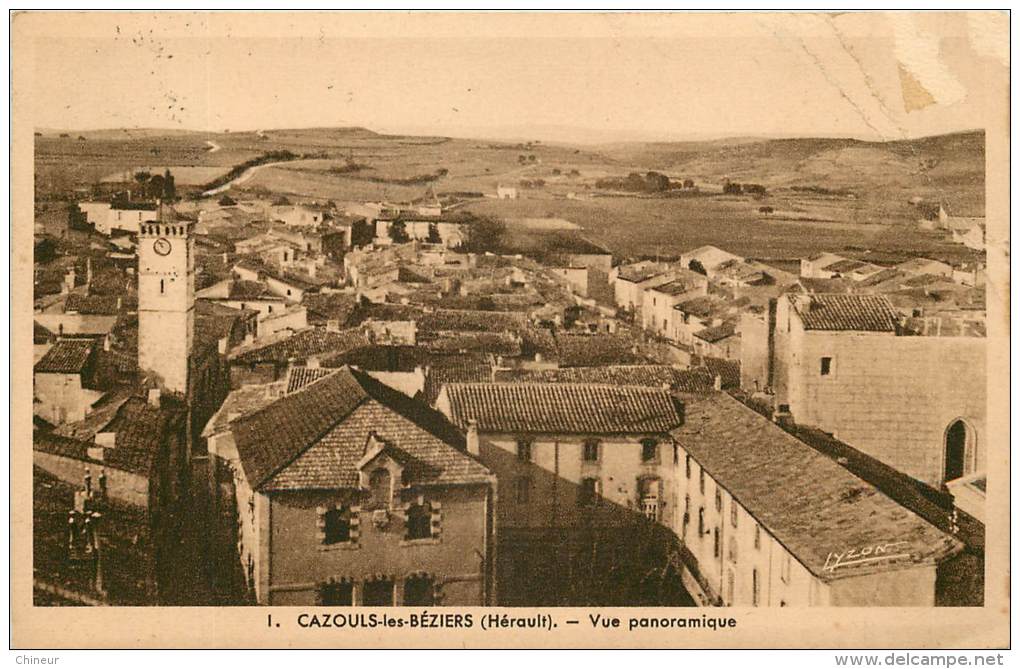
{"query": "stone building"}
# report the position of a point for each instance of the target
(586, 480)
(347, 492)
(65, 381)
(769, 521)
(838, 362)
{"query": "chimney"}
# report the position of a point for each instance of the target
(538, 357)
(717, 383)
(222, 345)
(333, 325)
(472, 437)
(120, 302)
(88, 272)
(154, 396)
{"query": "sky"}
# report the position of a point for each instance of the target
(575, 78)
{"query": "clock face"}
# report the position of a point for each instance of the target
(161, 246)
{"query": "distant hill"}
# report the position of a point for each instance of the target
(945, 167)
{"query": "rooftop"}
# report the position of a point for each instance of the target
(561, 408)
(717, 333)
(828, 511)
(838, 312)
(314, 438)
(311, 341)
(67, 356)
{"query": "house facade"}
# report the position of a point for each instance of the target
(349, 493)
(581, 467)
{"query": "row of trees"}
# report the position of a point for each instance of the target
(734, 188)
(157, 185)
(650, 182)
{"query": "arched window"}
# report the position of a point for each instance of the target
(337, 525)
(379, 485)
(959, 450)
(419, 521)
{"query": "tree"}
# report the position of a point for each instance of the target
(688, 183)
(434, 237)
(142, 176)
(155, 186)
(732, 188)
(485, 234)
(398, 233)
(695, 266)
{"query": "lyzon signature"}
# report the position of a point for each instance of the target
(864, 554)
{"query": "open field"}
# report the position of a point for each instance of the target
(634, 227)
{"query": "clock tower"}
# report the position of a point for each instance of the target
(166, 298)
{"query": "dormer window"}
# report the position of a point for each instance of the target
(379, 485)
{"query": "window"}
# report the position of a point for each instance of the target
(676, 454)
(734, 512)
(419, 590)
(336, 593)
(378, 593)
(524, 450)
(718, 499)
(523, 490)
(826, 366)
(687, 513)
(379, 485)
(733, 549)
(419, 521)
(589, 492)
(755, 588)
(649, 450)
(701, 481)
(649, 491)
(701, 521)
(785, 571)
(687, 465)
(590, 451)
(336, 526)
(162, 286)
(716, 540)
(757, 537)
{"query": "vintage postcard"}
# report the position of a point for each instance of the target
(526, 329)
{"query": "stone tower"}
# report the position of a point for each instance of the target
(166, 298)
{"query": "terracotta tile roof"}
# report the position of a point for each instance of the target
(138, 462)
(584, 350)
(313, 438)
(844, 265)
(455, 369)
(104, 305)
(141, 430)
(242, 402)
(299, 377)
(496, 343)
(649, 376)
(442, 320)
(67, 356)
(841, 285)
(323, 307)
(717, 333)
(561, 408)
(809, 503)
(727, 370)
(827, 311)
(309, 342)
(241, 289)
(380, 358)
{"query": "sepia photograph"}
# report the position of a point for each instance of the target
(510, 325)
